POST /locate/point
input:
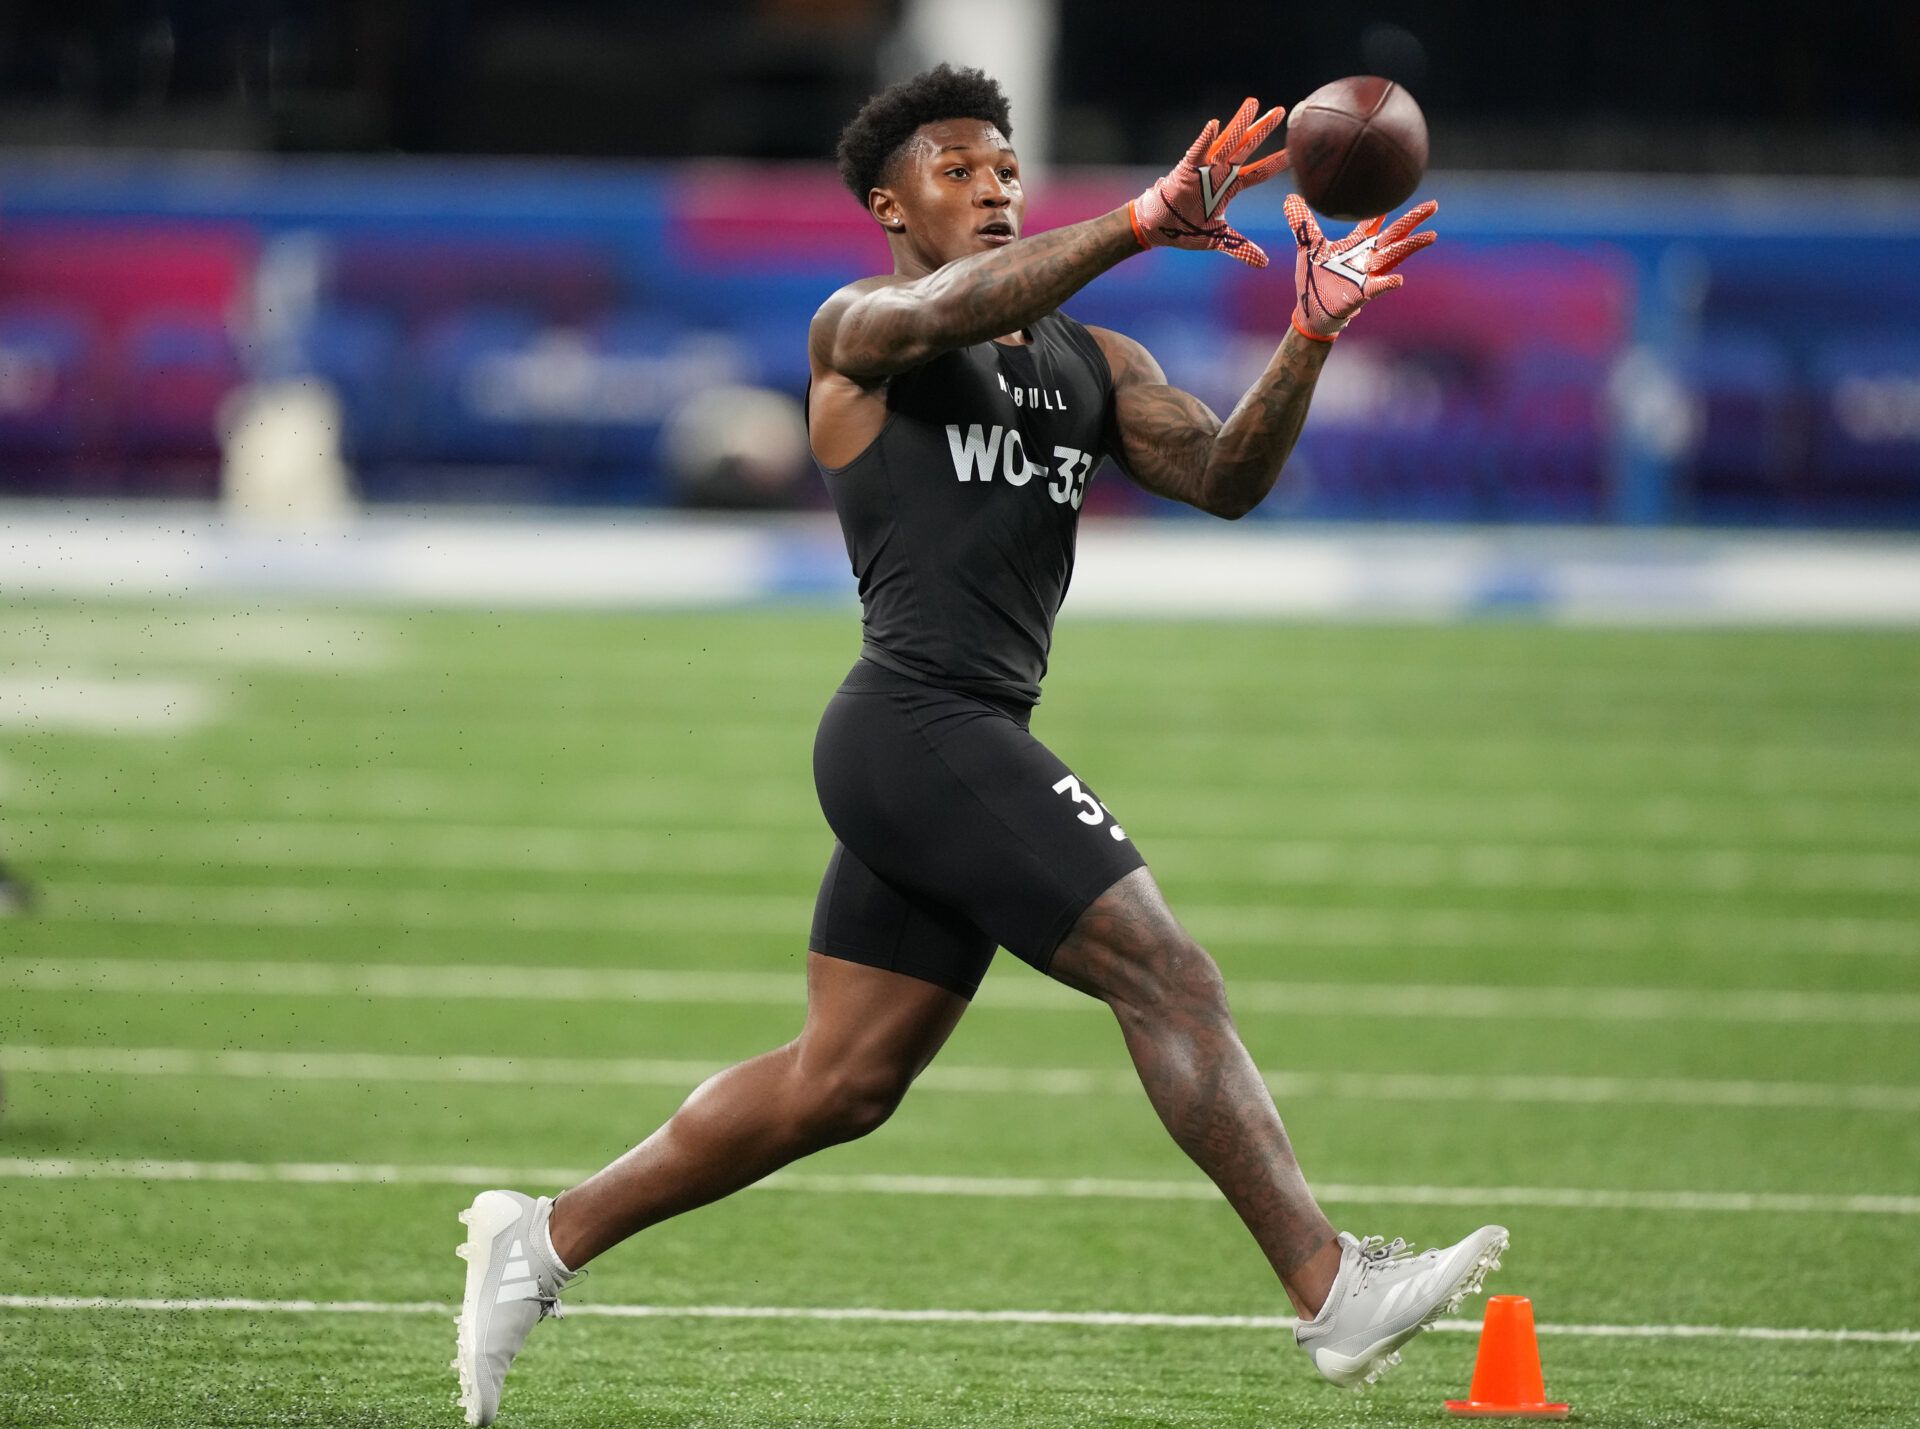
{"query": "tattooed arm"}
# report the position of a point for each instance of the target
(880, 326)
(1170, 442)
(884, 325)
(1173, 446)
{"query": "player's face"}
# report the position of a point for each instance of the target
(957, 191)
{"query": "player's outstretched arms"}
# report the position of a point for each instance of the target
(880, 326)
(1171, 444)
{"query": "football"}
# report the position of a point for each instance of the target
(1357, 146)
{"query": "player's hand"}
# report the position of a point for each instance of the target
(1187, 209)
(1334, 278)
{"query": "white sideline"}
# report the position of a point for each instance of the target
(1096, 1319)
(64, 1168)
(1037, 1081)
(589, 911)
(1321, 999)
(1395, 863)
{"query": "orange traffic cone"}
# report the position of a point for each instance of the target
(1506, 1375)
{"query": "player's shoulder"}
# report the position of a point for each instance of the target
(837, 303)
(1128, 360)
(827, 317)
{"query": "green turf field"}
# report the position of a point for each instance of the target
(1611, 936)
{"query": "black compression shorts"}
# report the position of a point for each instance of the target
(957, 832)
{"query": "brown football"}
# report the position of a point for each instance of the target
(1358, 147)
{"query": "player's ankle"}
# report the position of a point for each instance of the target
(1310, 1284)
(557, 1246)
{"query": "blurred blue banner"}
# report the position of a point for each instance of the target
(1574, 350)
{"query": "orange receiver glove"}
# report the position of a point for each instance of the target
(1334, 278)
(1187, 209)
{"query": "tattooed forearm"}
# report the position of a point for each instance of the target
(978, 297)
(1258, 438)
(1175, 447)
(993, 293)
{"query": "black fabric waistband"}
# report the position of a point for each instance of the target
(870, 674)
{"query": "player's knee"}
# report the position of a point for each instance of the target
(1181, 977)
(851, 1102)
(1142, 977)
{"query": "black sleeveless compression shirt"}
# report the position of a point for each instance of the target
(960, 517)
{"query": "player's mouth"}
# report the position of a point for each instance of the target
(998, 233)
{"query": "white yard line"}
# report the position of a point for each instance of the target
(1021, 1081)
(263, 843)
(146, 637)
(199, 977)
(58, 701)
(413, 797)
(1092, 1319)
(68, 1168)
(609, 911)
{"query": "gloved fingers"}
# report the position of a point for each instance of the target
(1238, 125)
(1392, 255)
(1410, 220)
(1232, 241)
(1376, 285)
(1261, 170)
(1199, 147)
(1361, 234)
(1256, 136)
(1306, 231)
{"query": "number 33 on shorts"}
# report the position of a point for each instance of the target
(1092, 812)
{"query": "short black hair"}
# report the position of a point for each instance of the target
(885, 122)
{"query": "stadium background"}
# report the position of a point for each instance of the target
(417, 602)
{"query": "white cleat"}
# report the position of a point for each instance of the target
(1384, 1295)
(512, 1285)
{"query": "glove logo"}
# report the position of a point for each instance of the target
(1352, 264)
(1211, 199)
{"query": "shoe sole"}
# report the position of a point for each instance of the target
(1360, 1371)
(491, 1213)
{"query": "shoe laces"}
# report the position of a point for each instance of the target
(550, 1304)
(1378, 1251)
